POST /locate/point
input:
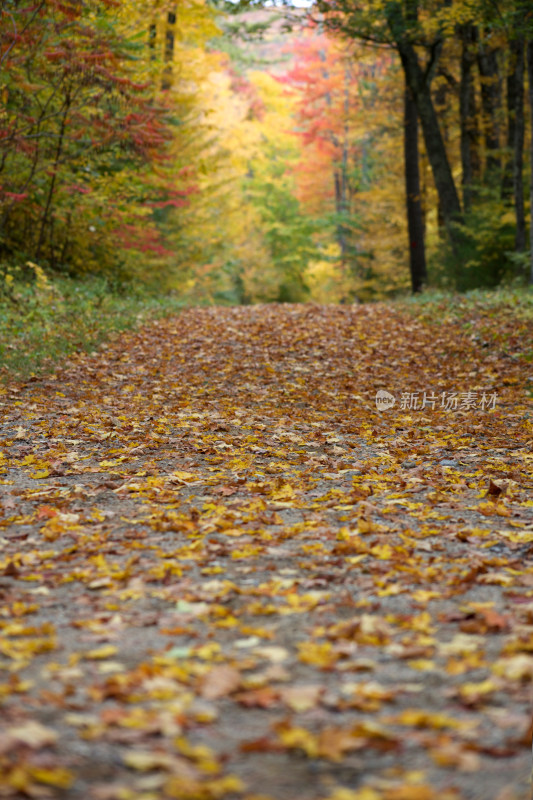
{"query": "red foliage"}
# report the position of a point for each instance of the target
(145, 239)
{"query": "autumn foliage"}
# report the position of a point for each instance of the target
(273, 543)
(227, 574)
(75, 121)
(227, 159)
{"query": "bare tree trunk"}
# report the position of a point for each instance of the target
(512, 182)
(530, 94)
(339, 206)
(342, 180)
(438, 158)
(152, 37)
(415, 219)
(467, 110)
(418, 78)
(167, 79)
(518, 152)
(442, 106)
(491, 103)
(53, 180)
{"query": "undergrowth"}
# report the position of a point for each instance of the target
(498, 318)
(443, 307)
(43, 321)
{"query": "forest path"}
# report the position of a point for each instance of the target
(225, 574)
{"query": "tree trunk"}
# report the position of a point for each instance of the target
(415, 219)
(512, 183)
(167, 79)
(342, 179)
(340, 205)
(53, 180)
(467, 111)
(491, 103)
(152, 36)
(442, 107)
(518, 151)
(530, 94)
(419, 84)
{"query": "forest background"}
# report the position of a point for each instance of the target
(190, 152)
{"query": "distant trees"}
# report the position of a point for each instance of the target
(323, 78)
(478, 50)
(135, 143)
(75, 118)
(91, 137)
(342, 128)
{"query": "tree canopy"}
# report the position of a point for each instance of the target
(267, 153)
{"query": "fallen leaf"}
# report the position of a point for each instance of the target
(220, 681)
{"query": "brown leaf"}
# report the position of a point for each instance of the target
(301, 698)
(219, 682)
(496, 488)
(265, 697)
(11, 571)
(261, 745)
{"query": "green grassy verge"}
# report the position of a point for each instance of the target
(443, 308)
(42, 322)
(498, 318)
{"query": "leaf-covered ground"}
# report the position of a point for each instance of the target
(225, 574)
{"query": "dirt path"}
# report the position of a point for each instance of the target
(225, 574)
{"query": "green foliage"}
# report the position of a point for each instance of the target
(42, 321)
(485, 258)
(443, 306)
(474, 314)
(250, 42)
(288, 234)
(85, 150)
(146, 152)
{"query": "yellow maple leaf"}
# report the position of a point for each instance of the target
(285, 492)
(301, 739)
(56, 776)
(102, 653)
(365, 793)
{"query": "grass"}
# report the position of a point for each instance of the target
(440, 307)
(498, 318)
(43, 322)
